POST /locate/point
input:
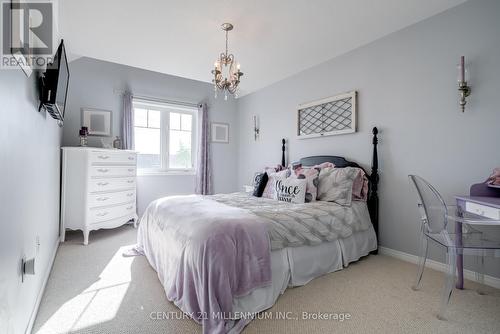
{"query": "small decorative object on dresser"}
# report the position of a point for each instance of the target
(83, 136)
(117, 143)
(98, 189)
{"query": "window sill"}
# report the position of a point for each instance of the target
(166, 173)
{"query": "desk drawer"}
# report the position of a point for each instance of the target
(97, 200)
(112, 171)
(125, 158)
(111, 184)
(482, 210)
(103, 214)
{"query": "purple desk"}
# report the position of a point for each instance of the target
(479, 205)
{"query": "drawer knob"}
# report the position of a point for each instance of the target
(103, 157)
(130, 169)
(102, 214)
(101, 199)
(129, 207)
(130, 194)
(130, 181)
(103, 183)
(131, 158)
(103, 170)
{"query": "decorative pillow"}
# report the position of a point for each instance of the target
(324, 165)
(360, 186)
(269, 190)
(259, 183)
(276, 169)
(311, 177)
(290, 190)
(335, 184)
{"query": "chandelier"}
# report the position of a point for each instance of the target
(226, 71)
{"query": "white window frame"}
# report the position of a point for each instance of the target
(165, 108)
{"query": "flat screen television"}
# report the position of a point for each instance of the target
(54, 85)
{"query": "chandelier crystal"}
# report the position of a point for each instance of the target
(226, 70)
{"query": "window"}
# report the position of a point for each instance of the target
(165, 137)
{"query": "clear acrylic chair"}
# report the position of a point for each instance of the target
(435, 216)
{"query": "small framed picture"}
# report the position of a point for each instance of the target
(97, 121)
(220, 133)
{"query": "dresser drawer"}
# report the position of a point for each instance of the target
(97, 200)
(98, 158)
(483, 210)
(112, 171)
(112, 184)
(98, 215)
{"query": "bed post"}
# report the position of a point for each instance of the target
(283, 162)
(374, 178)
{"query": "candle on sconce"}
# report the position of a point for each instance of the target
(462, 68)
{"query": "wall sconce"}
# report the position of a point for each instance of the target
(256, 129)
(462, 83)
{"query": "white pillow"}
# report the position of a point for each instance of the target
(335, 185)
(269, 190)
(290, 190)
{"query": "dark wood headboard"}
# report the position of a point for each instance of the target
(340, 162)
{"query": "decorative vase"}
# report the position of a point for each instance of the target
(117, 143)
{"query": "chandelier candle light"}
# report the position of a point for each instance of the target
(226, 71)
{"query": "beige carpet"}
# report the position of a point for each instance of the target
(94, 289)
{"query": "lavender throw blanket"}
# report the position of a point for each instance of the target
(206, 253)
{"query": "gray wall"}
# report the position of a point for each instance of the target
(97, 84)
(407, 84)
(29, 196)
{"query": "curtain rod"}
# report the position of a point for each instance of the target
(155, 99)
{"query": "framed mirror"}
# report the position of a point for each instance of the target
(97, 121)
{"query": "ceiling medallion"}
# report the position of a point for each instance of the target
(226, 70)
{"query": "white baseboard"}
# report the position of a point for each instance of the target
(468, 274)
(29, 329)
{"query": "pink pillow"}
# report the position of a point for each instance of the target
(325, 165)
(360, 187)
(311, 177)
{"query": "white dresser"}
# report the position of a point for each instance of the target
(98, 189)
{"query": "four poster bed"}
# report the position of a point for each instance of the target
(224, 258)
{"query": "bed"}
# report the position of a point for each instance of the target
(223, 258)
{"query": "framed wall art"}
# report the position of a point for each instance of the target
(220, 133)
(334, 115)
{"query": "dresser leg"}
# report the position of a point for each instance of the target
(136, 218)
(63, 236)
(86, 237)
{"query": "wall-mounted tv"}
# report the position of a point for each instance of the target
(54, 85)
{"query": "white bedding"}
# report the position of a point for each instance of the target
(296, 266)
(307, 224)
(290, 266)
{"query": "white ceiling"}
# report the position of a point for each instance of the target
(272, 39)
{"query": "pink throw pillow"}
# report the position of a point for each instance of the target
(311, 177)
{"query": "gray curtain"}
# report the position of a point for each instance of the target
(204, 162)
(128, 122)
